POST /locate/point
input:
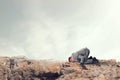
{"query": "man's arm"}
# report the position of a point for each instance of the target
(81, 59)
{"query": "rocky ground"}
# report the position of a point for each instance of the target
(27, 69)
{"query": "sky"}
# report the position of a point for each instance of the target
(54, 29)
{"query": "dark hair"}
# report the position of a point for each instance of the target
(69, 59)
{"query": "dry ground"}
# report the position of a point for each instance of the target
(53, 70)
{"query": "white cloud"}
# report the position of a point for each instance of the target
(55, 29)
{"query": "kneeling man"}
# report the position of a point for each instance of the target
(80, 56)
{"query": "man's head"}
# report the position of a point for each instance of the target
(71, 59)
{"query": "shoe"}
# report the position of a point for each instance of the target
(90, 57)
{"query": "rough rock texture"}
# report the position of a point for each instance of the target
(53, 70)
(107, 70)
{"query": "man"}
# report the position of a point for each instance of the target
(80, 56)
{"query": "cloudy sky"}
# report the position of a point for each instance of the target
(53, 29)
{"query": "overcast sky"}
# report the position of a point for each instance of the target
(53, 29)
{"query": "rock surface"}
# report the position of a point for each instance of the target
(27, 69)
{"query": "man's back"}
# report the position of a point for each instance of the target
(84, 52)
